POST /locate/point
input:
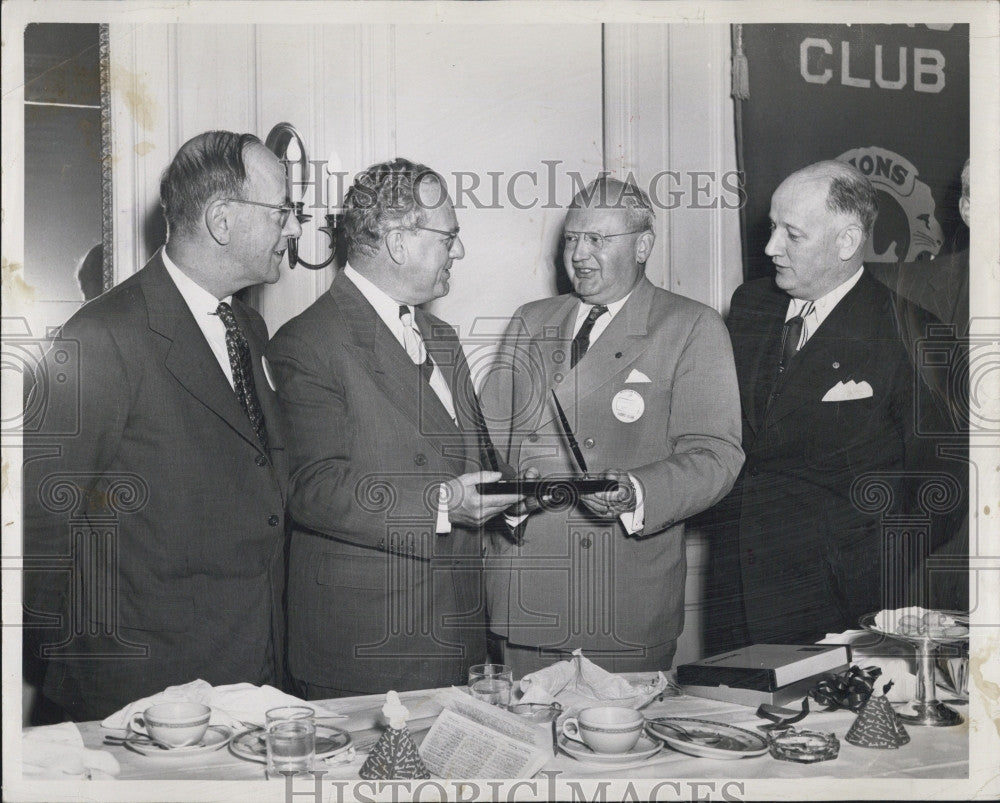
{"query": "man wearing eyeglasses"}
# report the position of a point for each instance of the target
(387, 445)
(646, 381)
(155, 471)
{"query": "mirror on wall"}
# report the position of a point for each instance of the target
(67, 165)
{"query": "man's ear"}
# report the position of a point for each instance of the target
(850, 240)
(644, 247)
(965, 210)
(217, 221)
(395, 245)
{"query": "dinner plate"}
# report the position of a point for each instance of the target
(644, 749)
(732, 742)
(215, 737)
(250, 744)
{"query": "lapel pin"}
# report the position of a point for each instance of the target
(836, 365)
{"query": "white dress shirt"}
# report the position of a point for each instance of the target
(821, 307)
(203, 306)
(632, 520)
(387, 309)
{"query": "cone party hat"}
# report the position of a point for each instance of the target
(878, 725)
(394, 756)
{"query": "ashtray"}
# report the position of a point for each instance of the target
(802, 746)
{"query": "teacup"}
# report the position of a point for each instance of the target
(610, 729)
(173, 724)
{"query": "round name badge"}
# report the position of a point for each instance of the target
(628, 406)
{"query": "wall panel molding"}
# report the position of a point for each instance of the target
(377, 95)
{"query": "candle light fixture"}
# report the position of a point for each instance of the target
(285, 143)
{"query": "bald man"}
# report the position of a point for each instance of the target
(828, 398)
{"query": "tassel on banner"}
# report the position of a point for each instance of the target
(741, 69)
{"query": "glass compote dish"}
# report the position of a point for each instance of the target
(927, 631)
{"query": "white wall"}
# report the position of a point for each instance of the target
(458, 98)
(475, 99)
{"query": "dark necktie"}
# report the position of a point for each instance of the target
(790, 337)
(239, 361)
(582, 340)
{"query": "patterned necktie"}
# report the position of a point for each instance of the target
(791, 336)
(239, 360)
(582, 340)
(414, 343)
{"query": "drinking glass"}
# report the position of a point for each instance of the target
(291, 740)
(491, 683)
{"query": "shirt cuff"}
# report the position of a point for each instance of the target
(443, 523)
(635, 520)
(514, 521)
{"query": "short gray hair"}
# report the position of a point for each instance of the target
(605, 192)
(965, 180)
(207, 166)
(384, 197)
(849, 192)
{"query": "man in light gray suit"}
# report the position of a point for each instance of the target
(647, 383)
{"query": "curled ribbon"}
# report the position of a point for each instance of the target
(781, 717)
(849, 689)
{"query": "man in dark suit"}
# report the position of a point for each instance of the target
(646, 380)
(387, 441)
(829, 409)
(155, 473)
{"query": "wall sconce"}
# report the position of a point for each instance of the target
(284, 141)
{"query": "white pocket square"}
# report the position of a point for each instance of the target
(848, 391)
(637, 376)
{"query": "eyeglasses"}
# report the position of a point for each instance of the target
(286, 209)
(593, 239)
(450, 236)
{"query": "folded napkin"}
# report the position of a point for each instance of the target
(232, 705)
(578, 683)
(56, 752)
(897, 660)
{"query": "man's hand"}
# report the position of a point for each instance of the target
(528, 504)
(467, 507)
(611, 504)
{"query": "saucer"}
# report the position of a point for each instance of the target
(250, 744)
(215, 737)
(644, 749)
(729, 742)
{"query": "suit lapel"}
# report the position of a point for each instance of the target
(386, 361)
(189, 357)
(765, 355)
(811, 373)
(265, 394)
(444, 352)
(619, 346)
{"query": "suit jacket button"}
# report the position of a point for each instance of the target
(589, 443)
(585, 543)
(533, 438)
(381, 543)
(420, 459)
(557, 378)
(273, 520)
(260, 460)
